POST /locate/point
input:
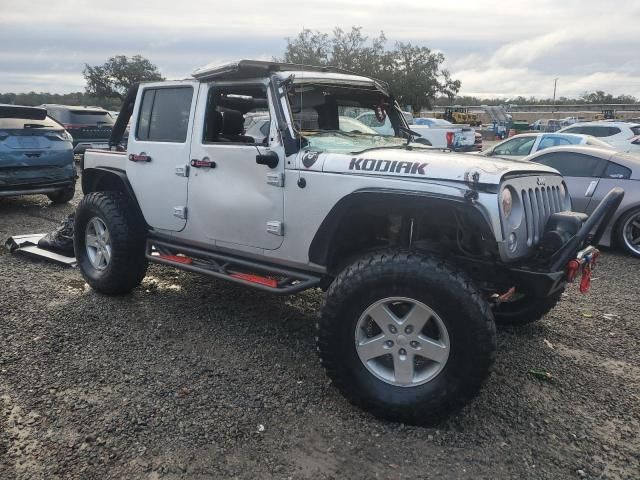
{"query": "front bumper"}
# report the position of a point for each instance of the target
(544, 276)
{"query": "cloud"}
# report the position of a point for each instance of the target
(513, 48)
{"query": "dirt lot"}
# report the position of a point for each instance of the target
(194, 378)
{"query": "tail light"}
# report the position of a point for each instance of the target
(450, 138)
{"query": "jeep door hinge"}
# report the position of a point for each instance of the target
(180, 212)
(276, 228)
(276, 179)
(182, 170)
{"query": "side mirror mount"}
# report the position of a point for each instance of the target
(270, 159)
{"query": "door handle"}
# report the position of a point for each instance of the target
(591, 188)
(140, 157)
(203, 163)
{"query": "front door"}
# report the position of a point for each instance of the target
(158, 151)
(237, 202)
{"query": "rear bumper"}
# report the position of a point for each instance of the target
(36, 188)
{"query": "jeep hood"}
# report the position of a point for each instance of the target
(421, 163)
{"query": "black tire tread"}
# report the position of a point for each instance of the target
(128, 265)
(62, 196)
(403, 263)
(618, 239)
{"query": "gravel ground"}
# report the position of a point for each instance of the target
(193, 378)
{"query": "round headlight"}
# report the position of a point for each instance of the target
(506, 201)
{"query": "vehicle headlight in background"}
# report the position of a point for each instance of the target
(506, 202)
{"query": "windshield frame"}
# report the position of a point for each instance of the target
(392, 109)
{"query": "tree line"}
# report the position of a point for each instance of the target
(414, 74)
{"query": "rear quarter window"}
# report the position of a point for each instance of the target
(615, 170)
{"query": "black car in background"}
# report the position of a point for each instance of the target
(90, 127)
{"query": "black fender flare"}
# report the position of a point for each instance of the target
(93, 177)
(320, 247)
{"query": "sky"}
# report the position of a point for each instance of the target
(505, 48)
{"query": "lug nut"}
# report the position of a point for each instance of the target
(408, 330)
(402, 352)
(392, 329)
(389, 343)
(414, 344)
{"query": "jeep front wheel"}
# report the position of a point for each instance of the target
(405, 336)
(109, 243)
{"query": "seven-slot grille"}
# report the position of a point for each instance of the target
(539, 203)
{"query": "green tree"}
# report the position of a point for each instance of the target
(413, 73)
(114, 78)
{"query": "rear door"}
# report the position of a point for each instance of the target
(158, 151)
(581, 173)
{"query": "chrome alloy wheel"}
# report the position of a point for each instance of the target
(402, 342)
(98, 243)
(631, 233)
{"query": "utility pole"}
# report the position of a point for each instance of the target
(555, 84)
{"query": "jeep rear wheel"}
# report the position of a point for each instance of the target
(109, 243)
(405, 336)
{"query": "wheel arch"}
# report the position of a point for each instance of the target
(109, 179)
(340, 233)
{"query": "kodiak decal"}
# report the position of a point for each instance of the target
(370, 165)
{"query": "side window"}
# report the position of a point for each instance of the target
(575, 130)
(237, 114)
(164, 114)
(615, 170)
(571, 164)
(613, 131)
(516, 146)
(549, 141)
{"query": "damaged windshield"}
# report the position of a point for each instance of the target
(344, 118)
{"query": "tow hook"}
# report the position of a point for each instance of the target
(497, 299)
(584, 264)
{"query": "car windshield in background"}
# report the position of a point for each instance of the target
(339, 118)
(91, 117)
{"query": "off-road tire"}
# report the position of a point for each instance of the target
(128, 264)
(449, 293)
(62, 196)
(526, 310)
(618, 232)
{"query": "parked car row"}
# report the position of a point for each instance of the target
(590, 167)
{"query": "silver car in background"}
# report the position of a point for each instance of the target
(590, 173)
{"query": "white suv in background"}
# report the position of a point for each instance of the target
(623, 136)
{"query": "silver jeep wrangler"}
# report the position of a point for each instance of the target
(420, 250)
